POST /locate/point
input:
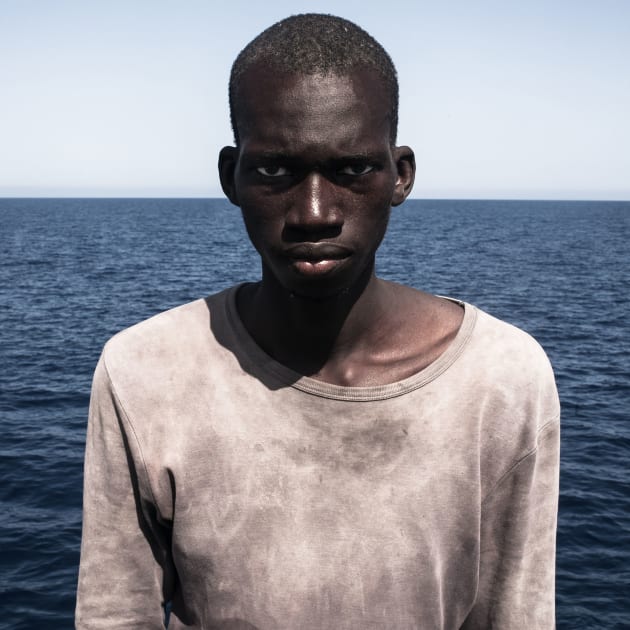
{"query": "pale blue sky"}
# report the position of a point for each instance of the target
(499, 99)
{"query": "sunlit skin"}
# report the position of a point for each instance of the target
(315, 175)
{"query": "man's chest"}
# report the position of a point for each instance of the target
(355, 527)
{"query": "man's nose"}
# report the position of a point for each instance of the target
(315, 205)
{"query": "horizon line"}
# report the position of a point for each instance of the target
(223, 198)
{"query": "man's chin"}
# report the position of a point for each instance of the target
(317, 294)
(320, 290)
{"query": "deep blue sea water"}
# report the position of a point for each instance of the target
(75, 271)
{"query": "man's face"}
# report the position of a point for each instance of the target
(315, 176)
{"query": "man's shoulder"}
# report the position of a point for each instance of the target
(505, 344)
(488, 337)
(510, 368)
(157, 329)
(166, 336)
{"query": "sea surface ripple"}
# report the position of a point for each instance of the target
(75, 271)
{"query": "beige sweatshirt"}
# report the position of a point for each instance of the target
(253, 497)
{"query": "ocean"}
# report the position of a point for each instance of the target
(75, 271)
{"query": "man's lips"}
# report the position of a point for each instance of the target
(314, 252)
(314, 259)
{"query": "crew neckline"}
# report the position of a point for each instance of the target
(290, 378)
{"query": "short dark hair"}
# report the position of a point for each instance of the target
(316, 43)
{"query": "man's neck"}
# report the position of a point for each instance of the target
(382, 333)
(311, 335)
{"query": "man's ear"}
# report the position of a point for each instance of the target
(406, 169)
(228, 157)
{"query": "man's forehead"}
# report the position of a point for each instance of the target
(300, 89)
(265, 75)
(263, 93)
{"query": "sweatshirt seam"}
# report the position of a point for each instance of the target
(403, 388)
(129, 422)
(285, 377)
(540, 437)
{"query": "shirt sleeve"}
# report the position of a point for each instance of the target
(516, 587)
(125, 574)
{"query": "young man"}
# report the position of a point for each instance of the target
(320, 449)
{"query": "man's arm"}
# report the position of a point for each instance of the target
(518, 543)
(125, 568)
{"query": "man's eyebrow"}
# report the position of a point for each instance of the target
(298, 161)
(359, 157)
(267, 155)
(279, 155)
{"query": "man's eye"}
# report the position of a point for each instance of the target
(356, 169)
(273, 171)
